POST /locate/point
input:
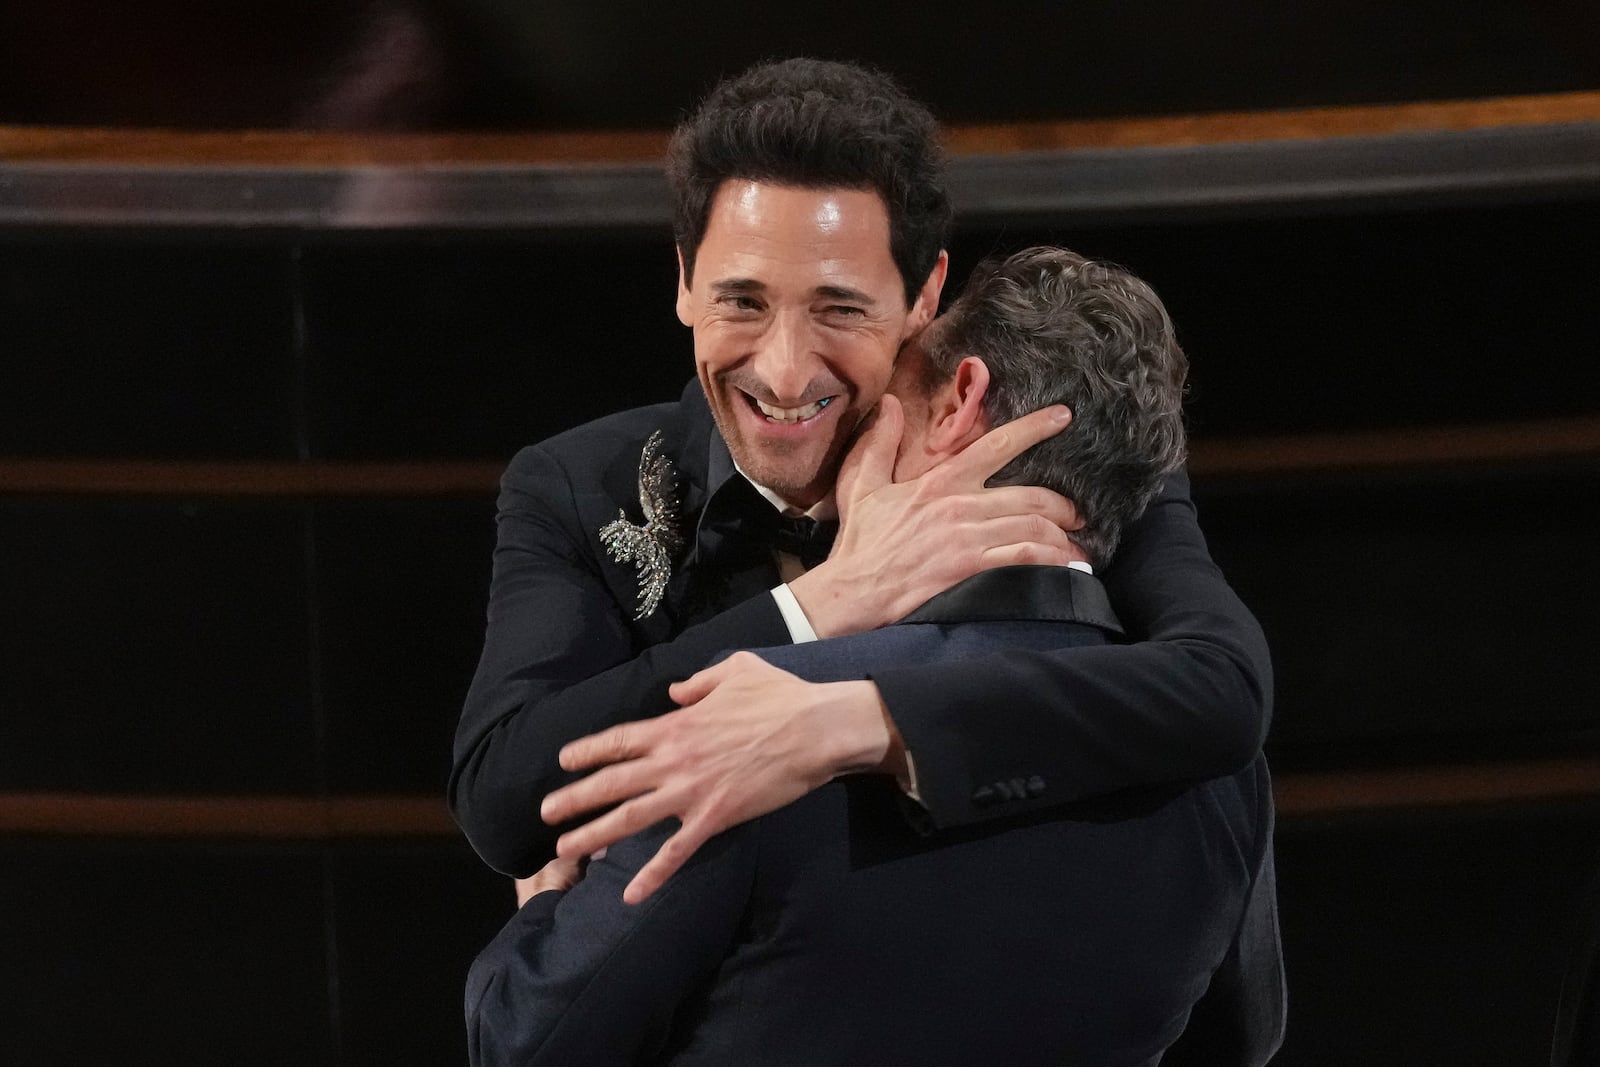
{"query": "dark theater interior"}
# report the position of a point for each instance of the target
(284, 285)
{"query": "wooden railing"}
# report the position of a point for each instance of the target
(1298, 794)
(1242, 163)
(155, 147)
(1401, 449)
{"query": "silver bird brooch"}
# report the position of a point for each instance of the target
(650, 547)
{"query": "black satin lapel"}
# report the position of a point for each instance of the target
(731, 558)
(1054, 594)
(716, 522)
(696, 456)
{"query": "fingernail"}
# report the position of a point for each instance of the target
(1061, 416)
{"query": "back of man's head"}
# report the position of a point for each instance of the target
(1055, 328)
(816, 124)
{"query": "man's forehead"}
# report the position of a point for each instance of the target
(839, 212)
(741, 189)
(834, 205)
(831, 243)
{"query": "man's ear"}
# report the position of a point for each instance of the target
(958, 415)
(685, 304)
(926, 306)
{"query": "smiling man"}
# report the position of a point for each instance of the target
(796, 302)
(830, 931)
(811, 223)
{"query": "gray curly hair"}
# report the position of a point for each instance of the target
(1054, 327)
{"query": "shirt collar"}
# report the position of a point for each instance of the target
(826, 508)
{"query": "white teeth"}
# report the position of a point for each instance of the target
(792, 414)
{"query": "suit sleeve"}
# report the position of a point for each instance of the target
(581, 977)
(559, 663)
(1189, 699)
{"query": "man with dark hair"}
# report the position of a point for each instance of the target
(830, 931)
(635, 548)
(816, 125)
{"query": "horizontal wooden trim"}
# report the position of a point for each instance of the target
(1064, 184)
(268, 817)
(1517, 442)
(292, 148)
(1296, 124)
(311, 479)
(1298, 795)
(326, 149)
(1350, 792)
(1552, 439)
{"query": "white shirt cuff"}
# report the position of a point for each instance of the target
(800, 630)
(908, 784)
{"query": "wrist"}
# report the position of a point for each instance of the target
(867, 741)
(528, 888)
(833, 605)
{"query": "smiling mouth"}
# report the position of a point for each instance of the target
(790, 415)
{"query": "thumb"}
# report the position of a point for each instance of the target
(698, 686)
(870, 464)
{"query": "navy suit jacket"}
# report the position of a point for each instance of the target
(831, 931)
(563, 656)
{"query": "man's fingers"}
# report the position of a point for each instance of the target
(673, 854)
(637, 814)
(1032, 554)
(978, 462)
(698, 686)
(1011, 530)
(606, 786)
(1027, 501)
(870, 463)
(624, 742)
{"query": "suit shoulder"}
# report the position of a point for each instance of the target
(583, 453)
(601, 437)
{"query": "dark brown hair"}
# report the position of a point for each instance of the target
(815, 124)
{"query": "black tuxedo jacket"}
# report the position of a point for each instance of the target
(830, 932)
(563, 658)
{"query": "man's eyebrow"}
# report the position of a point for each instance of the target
(738, 285)
(844, 292)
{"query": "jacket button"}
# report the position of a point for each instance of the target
(983, 796)
(1035, 786)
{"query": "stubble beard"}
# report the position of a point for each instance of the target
(767, 468)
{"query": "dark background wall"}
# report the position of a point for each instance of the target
(452, 64)
(246, 479)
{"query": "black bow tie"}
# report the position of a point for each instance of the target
(738, 520)
(805, 538)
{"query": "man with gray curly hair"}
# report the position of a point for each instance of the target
(830, 930)
(1049, 326)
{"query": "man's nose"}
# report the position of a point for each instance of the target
(787, 361)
